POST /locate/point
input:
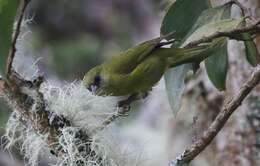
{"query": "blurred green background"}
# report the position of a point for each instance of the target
(72, 37)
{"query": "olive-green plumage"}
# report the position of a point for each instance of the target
(138, 69)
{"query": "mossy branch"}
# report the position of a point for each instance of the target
(22, 95)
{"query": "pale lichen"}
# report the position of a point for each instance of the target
(86, 112)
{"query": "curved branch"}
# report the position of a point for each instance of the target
(196, 148)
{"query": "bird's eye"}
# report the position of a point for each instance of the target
(97, 80)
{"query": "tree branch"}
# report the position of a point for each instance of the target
(232, 34)
(1, 86)
(16, 33)
(23, 95)
(12, 88)
(190, 153)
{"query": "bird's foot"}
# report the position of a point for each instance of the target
(133, 97)
(122, 103)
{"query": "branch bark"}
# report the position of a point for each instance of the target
(18, 93)
(16, 33)
(2, 83)
(195, 149)
(232, 34)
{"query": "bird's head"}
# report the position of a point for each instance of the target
(93, 80)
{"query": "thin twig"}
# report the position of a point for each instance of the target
(1, 87)
(16, 33)
(196, 148)
(232, 34)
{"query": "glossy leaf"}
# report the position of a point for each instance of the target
(252, 54)
(7, 15)
(208, 16)
(181, 16)
(212, 28)
(207, 23)
(216, 63)
(174, 83)
(217, 66)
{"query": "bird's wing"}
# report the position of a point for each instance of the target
(149, 72)
(128, 60)
(155, 43)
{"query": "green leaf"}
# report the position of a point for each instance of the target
(212, 21)
(212, 28)
(174, 83)
(181, 16)
(212, 15)
(204, 25)
(216, 63)
(217, 66)
(8, 10)
(252, 54)
(207, 16)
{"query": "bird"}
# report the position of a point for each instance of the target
(139, 68)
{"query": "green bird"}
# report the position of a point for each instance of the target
(139, 68)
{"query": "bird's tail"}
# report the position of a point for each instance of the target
(178, 56)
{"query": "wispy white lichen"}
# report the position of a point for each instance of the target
(25, 54)
(85, 112)
(78, 105)
(31, 145)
